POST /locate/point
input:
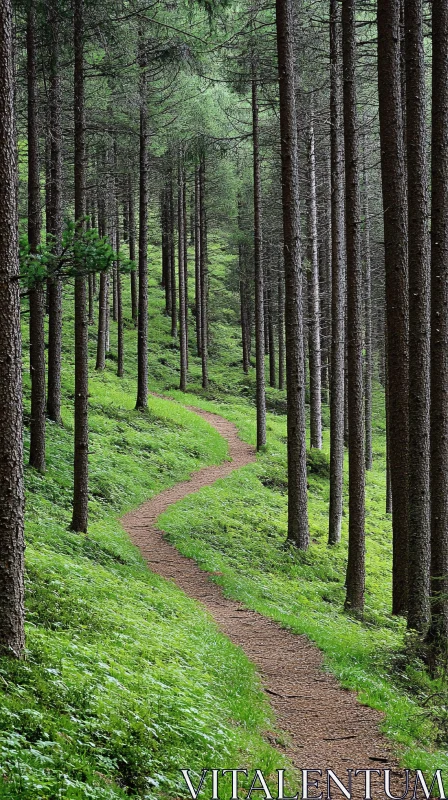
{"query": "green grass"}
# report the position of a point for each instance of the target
(125, 679)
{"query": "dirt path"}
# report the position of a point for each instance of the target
(325, 724)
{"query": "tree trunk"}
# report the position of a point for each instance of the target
(281, 332)
(103, 312)
(81, 432)
(204, 275)
(197, 259)
(355, 582)
(119, 299)
(397, 297)
(439, 329)
(37, 290)
(184, 211)
(337, 383)
(271, 333)
(142, 336)
(172, 258)
(259, 278)
(12, 636)
(181, 266)
(298, 533)
(314, 303)
(54, 226)
(419, 322)
(134, 289)
(166, 269)
(368, 364)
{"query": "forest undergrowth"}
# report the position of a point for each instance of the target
(124, 676)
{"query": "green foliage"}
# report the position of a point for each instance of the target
(82, 251)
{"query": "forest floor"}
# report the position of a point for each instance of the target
(126, 679)
(324, 725)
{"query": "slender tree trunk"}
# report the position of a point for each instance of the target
(281, 332)
(271, 334)
(197, 260)
(54, 225)
(259, 277)
(37, 291)
(185, 264)
(438, 635)
(120, 337)
(244, 331)
(103, 312)
(81, 432)
(12, 636)
(142, 336)
(172, 260)
(314, 304)
(419, 322)
(166, 269)
(181, 266)
(298, 533)
(397, 290)
(368, 364)
(204, 275)
(134, 288)
(337, 384)
(354, 600)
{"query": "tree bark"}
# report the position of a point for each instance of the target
(181, 267)
(259, 277)
(337, 383)
(419, 322)
(197, 260)
(271, 333)
(12, 636)
(204, 275)
(355, 582)
(142, 335)
(397, 290)
(81, 431)
(54, 226)
(134, 288)
(314, 303)
(439, 329)
(119, 298)
(368, 363)
(281, 332)
(37, 290)
(298, 533)
(103, 312)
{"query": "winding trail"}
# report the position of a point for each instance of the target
(326, 726)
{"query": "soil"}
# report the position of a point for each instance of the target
(323, 724)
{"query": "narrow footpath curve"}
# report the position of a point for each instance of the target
(326, 726)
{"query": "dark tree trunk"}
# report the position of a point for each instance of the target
(197, 260)
(181, 266)
(166, 269)
(281, 332)
(103, 312)
(119, 300)
(54, 226)
(142, 337)
(368, 364)
(298, 533)
(184, 211)
(271, 334)
(204, 275)
(419, 322)
(397, 299)
(81, 432)
(439, 329)
(314, 304)
(172, 259)
(337, 383)
(260, 338)
(37, 291)
(12, 636)
(134, 289)
(244, 324)
(354, 600)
